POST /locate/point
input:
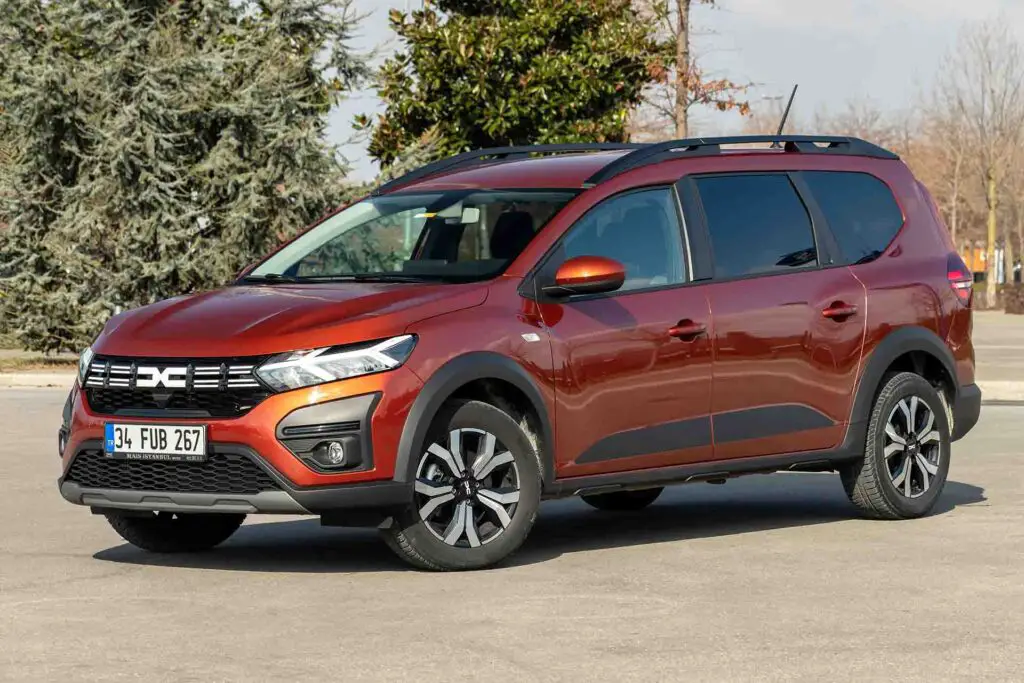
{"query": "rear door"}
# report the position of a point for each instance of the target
(788, 325)
(633, 388)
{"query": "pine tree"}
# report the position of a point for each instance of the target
(487, 73)
(166, 144)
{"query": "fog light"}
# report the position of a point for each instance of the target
(334, 453)
(338, 453)
(62, 442)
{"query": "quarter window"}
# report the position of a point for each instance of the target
(640, 230)
(758, 224)
(861, 212)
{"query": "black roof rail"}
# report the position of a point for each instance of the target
(500, 153)
(698, 147)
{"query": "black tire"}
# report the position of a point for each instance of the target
(170, 532)
(419, 541)
(873, 483)
(622, 501)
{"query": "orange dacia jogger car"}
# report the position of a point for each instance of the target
(516, 324)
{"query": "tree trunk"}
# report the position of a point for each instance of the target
(954, 213)
(682, 68)
(1020, 238)
(954, 219)
(1008, 259)
(990, 255)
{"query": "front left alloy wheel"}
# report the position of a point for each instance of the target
(475, 492)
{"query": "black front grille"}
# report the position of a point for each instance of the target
(221, 473)
(228, 403)
(214, 387)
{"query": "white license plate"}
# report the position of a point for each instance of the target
(180, 443)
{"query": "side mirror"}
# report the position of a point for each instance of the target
(587, 275)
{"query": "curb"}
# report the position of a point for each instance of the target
(1002, 391)
(27, 380)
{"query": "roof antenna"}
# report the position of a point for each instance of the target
(785, 116)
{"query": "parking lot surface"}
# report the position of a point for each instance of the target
(766, 578)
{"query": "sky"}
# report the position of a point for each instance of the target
(887, 52)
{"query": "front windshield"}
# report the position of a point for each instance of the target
(448, 236)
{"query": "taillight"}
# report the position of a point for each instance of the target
(961, 279)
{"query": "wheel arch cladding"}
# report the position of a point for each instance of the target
(912, 349)
(481, 375)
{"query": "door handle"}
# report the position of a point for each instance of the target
(839, 311)
(687, 330)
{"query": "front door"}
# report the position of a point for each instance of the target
(629, 394)
(789, 327)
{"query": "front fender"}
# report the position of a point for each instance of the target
(454, 374)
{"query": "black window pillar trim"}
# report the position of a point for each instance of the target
(828, 247)
(697, 227)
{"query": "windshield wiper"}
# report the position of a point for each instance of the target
(269, 278)
(370, 277)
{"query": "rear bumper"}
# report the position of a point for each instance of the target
(966, 411)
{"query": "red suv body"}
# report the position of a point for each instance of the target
(503, 327)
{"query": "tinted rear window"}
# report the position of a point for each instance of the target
(758, 224)
(861, 211)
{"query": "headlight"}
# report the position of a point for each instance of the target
(84, 361)
(306, 368)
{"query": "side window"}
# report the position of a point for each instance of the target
(860, 209)
(758, 224)
(640, 230)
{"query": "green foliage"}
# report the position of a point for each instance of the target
(160, 147)
(498, 72)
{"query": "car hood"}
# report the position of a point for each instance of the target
(258, 320)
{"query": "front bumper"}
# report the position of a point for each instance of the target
(270, 437)
(267, 502)
(966, 411)
(285, 498)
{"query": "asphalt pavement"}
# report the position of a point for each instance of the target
(764, 578)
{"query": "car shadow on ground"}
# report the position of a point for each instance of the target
(746, 505)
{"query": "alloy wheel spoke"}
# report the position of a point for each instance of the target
(903, 474)
(427, 510)
(929, 437)
(431, 489)
(454, 466)
(929, 423)
(457, 527)
(487, 463)
(502, 496)
(891, 432)
(455, 446)
(496, 507)
(912, 424)
(892, 449)
(927, 465)
(925, 480)
(905, 409)
(471, 533)
(908, 481)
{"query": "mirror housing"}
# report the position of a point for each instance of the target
(587, 275)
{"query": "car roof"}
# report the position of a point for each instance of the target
(581, 165)
(565, 171)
